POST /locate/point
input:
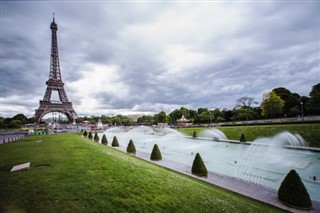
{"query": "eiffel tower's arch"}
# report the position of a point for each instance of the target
(55, 83)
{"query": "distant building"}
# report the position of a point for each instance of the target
(182, 121)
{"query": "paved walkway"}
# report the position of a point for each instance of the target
(254, 191)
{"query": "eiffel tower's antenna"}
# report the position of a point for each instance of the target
(53, 16)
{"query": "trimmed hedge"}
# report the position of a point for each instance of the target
(115, 142)
(198, 167)
(131, 148)
(292, 191)
(96, 137)
(194, 135)
(104, 140)
(90, 136)
(85, 134)
(155, 154)
(243, 138)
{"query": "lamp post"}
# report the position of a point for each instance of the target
(302, 112)
(247, 116)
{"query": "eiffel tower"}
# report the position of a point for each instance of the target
(55, 83)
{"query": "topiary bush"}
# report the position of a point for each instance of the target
(115, 142)
(194, 135)
(104, 140)
(96, 137)
(85, 134)
(155, 154)
(90, 136)
(131, 148)
(243, 138)
(198, 167)
(292, 191)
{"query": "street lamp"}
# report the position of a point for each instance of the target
(302, 112)
(247, 116)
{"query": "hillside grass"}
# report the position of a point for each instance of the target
(69, 173)
(310, 132)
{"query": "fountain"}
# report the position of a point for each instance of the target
(265, 162)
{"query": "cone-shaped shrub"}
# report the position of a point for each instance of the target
(96, 137)
(85, 134)
(131, 148)
(104, 140)
(194, 135)
(198, 167)
(115, 142)
(243, 138)
(292, 191)
(155, 154)
(90, 136)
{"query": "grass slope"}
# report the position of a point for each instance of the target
(310, 132)
(71, 174)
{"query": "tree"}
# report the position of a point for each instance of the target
(198, 167)
(131, 148)
(85, 134)
(293, 192)
(313, 104)
(155, 154)
(146, 120)
(161, 117)
(291, 106)
(96, 137)
(104, 140)
(272, 105)
(21, 117)
(244, 113)
(115, 142)
(245, 102)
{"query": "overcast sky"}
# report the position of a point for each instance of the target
(132, 57)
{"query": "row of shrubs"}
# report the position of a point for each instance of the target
(292, 191)
(198, 166)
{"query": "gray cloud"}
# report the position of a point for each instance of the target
(152, 56)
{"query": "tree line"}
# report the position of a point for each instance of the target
(280, 102)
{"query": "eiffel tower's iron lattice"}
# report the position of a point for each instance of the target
(55, 83)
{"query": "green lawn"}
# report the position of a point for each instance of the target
(71, 174)
(310, 132)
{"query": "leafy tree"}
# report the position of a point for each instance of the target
(293, 192)
(96, 137)
(244, 113)
(104, 140)
(2, 123)
(161, 117)
(313, 105)
(291, 106)
(155, 154)
(227, 114)
(198, 167)
(14, 123)
(21, 117)
(146, 120)
(115, 142)
(90, 136)
(204, 116)
(131, 148)
(272, 105)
